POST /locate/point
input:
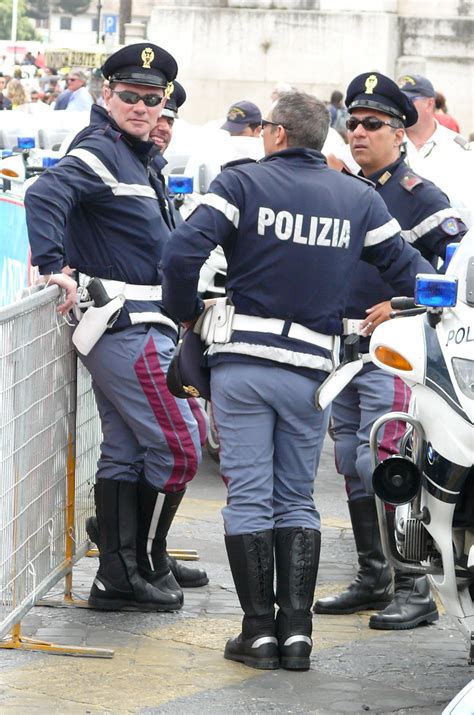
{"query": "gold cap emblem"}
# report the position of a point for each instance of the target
(370, 84)
(190, 390)
(235, 112)
(169, 90)
(147, 56)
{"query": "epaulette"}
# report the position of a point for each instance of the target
(409, 180)
(237, 162)
(347, 172)
(463, 143)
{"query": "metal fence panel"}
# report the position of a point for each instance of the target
(38, 382)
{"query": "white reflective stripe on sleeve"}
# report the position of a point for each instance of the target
(230, 211)
(429, 223)
(380, 234)
(117, 188)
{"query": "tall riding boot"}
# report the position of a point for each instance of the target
(297, 560)
(118, 584)
(154, 516)
(157, 511)
(184, 576)
(372, 587)
(412, 604)
(251, 563)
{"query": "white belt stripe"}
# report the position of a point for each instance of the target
(429, 223)
(117, 188)
(230, 211)
(270, 352)
(380, 234)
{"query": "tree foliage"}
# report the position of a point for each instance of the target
(25, 29)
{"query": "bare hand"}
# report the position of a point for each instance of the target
(376, 315)
(69, 285)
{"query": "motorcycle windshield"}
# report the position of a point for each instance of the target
(462, 266)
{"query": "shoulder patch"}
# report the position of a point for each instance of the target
(462, 142)
(357, 176)
(237, 162)
(451, 226)
(409, 180)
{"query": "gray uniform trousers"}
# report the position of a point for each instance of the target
(370, 394)
(271, 437)
(145, 429)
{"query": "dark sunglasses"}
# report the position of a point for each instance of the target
(129, 97)
(370, 124)
(267, 123)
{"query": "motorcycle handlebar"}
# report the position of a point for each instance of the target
(402, 303)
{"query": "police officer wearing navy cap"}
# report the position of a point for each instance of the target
(379, 114)
(292, 230)
(103, 213)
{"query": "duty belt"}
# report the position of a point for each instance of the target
(129, 291)
(351, 326)
(254, 324)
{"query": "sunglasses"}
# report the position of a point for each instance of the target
(370, 124)
(73, 79)
(267, 123)
(129, 97)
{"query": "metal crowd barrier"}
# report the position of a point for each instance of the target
(49, 441)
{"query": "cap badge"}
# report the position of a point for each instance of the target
(191, 390)
(406, 80)
(235, 112)
(147, 56)
(370, 84)
(169, 90)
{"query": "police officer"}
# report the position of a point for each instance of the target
(292, 231)
(380, 112)
(101, 212)
(435, 152)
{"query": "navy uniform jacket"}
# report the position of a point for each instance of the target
(101, 211)
(428, 222)
(293, 231)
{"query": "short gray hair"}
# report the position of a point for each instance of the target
(305, 118)
(80, 74)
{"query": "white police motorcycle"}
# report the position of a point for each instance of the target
(430, 346)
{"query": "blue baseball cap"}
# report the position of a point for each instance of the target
(414, 86)
(240, 115)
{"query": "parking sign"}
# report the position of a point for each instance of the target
(110, 24)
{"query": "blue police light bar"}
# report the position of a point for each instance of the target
(179, 184)
(436, 291)
(450, 250)
(26, 142)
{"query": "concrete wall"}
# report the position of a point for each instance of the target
(235, 49)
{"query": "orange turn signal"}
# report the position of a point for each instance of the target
(9, 172)
(391, 358)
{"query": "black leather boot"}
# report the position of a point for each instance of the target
(155, 515)
(297, 560)
(411, 606)
(118, 584)
(184, 576)
(251, 563)
(372, 587)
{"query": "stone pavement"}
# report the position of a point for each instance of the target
(173, 664)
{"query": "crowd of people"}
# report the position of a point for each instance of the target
(294, 224)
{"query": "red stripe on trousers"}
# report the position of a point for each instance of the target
(200, 417)
(153, 382)
(394, 430)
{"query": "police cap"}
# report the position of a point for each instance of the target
(373, 90)
(175, 100)
(141, 63)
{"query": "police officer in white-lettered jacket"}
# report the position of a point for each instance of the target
(379, 113)
(103, 213)
(292, 231)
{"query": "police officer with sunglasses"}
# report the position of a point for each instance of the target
(103, 213)
(380, 112)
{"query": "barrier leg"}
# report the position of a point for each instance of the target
(18, 642)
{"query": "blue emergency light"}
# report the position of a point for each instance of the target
(25, 142)
(5, 153)
(179, 184)
(436, 291)
(450, 251)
